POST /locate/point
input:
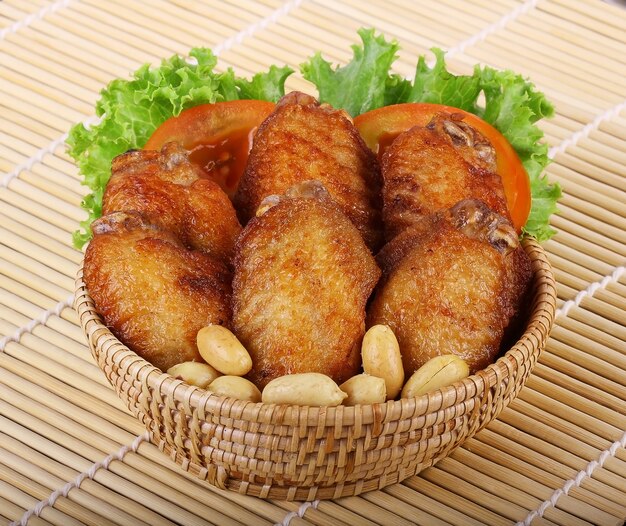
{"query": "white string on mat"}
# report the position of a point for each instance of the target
(272, 18)
(41, 153)
(587, 129)
(298, 513)
(39, 320)
(492, 28)
(89, 474)
(575, 482)
(237, 38)
(607, 453)
(590, 291)
(28, 20)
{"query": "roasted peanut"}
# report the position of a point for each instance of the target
(194, 373)
(437, 372)
(303, 389)
(364, 389)
(381, 357)
(221, 349)
(235, 387)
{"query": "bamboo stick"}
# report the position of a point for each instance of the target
(613, 234)
(39, 102)
(60, 363)
(590, 245)
(578, 440)
(30, 250)
(581, 381)
(369, 510)
(574, 166)
(605, 20)
(575, 371)
(28, 271)
(313, 515)
(19, 274)
(407, 514)
(423, 501)
(478, 503)
(47, 214)
(104, 416)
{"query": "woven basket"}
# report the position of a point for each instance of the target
(306, 453)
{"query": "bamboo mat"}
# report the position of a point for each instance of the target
(70, 453)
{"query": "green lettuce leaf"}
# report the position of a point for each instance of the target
(265, 86)
(131, 109)
(361, 85)
(511, 104)
(437, 85)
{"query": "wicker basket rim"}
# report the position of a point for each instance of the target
(165, 386)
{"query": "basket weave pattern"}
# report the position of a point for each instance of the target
(307, 453)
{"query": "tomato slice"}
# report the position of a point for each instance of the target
(217, 136)
(381, 126)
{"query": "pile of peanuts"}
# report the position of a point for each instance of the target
(227, 361)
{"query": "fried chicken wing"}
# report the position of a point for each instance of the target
(454, 283)
(302, 140)
(170, 191)
(302, 278)
(430, 168)
(153, 293)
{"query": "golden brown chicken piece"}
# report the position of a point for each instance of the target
(430, 168)
(170, 192)
(302, 140)
(302, 277)
(452, 284)
(153, 293)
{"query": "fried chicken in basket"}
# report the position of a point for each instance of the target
(303, 275)
(426, 169)
(153, 293)
(169, 191)
(303, 140)
(453, 283)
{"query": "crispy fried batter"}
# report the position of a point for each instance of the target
(430, 168)
(302, 278)
(302, 140)
(452, 283)
(169, 191)
(152, 292)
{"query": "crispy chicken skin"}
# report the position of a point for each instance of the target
(455, 282)
(302, 278)
(430, 168)
(153, 293)
(170, 192)
(303, 140)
